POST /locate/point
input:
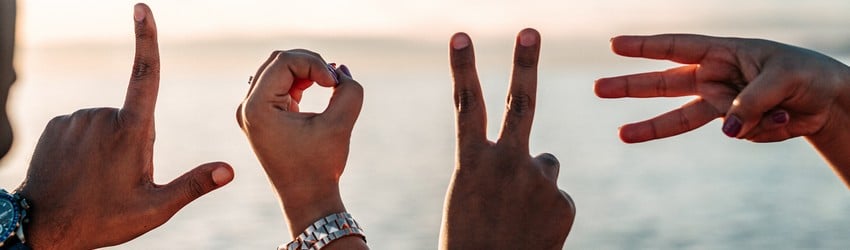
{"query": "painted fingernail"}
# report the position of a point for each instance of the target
(139, 13)
(331, 68)
(221, 176)
(345, 70)
(460, 42)
(780, 117)
(732, 126)
(527, 39)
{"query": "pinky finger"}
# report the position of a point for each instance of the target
(690, 116)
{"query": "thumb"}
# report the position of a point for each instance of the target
(347, 98)
(195, 183)
(761, 95)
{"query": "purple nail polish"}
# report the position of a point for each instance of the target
(780, 117)
(333, 72)
(345, 70)
(732, 126)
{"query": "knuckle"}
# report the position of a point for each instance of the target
(194, 189)
(466, 101)
(102, 112)
(520, 105)
(144, 68)
(80, 113)
(570, 203)
(305, 51)
(745, 101)
(549, 159)
(58, 120)
(142, 33)
(251, 113)
(295, 58)
(525, 61)
(239, 116)
(684, 121)
(356, 88)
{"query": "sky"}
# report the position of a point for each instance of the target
(51, 22)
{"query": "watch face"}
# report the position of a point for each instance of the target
(8, 218)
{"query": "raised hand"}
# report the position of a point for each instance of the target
(766, 91)
(90, 181)
(500, 197)
(303, 154)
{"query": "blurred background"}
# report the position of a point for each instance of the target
(700, 190)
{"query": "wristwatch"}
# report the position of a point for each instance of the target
(324, 231)
(13, 216)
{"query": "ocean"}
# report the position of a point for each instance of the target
(700, 190)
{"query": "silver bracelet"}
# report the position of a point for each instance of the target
(324, 231)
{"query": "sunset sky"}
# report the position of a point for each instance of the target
(46, 22)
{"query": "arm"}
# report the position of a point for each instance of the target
(7, 70)
(765, 91)
(7, 41)
(500, 197)
(303, 154)
(90, 180)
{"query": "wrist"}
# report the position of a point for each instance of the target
(303, 205)
(40, 234)
(832, 141)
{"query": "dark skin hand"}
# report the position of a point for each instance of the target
(90, 181)
(500, 197)
(765, 91)
(303, 154)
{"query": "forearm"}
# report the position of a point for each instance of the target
(7, 41)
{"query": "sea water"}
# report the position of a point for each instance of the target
(699, 190)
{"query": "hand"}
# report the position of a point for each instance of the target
(500, 197)
(90, 181)
(304, 154)
(766, 91)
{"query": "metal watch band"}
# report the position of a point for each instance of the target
(324, 231)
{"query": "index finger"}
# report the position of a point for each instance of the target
(681, 48)
(469, 102)
(287, 68)
(140, 102)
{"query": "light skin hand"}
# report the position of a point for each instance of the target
(303, 154)
(500, 197)
(90, 181)
(765, 91)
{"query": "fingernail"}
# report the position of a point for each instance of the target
(221, 176)
(139, 13)
(732, 126)
(345, 70)
(527, 39)
(460, 42)
(780, 117)
(333, 72)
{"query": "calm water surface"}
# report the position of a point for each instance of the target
(700, 190)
